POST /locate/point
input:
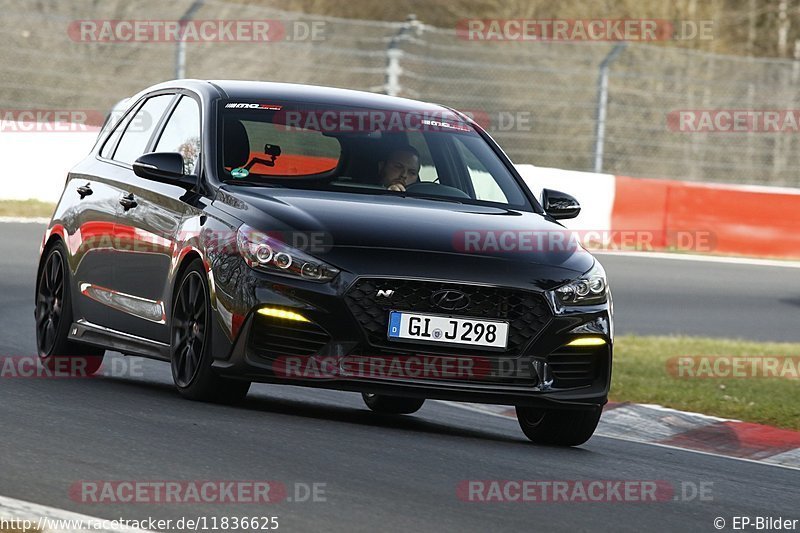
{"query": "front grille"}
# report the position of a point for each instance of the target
(574, 367)
(526, 312)
(277, 337)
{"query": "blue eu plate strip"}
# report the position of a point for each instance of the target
(394, 324)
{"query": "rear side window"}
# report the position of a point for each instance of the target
(111, 143)
(182, 134)
(140, 128)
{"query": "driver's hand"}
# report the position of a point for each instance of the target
(397, 187)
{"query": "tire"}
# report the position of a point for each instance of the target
(392, 405)
(190, 343)
(53, 315)
(559, 427)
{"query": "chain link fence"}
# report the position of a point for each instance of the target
(541, 100)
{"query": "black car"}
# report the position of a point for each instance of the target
(280, 233)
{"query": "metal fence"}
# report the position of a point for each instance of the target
(543, 101)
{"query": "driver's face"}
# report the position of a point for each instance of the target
(400, 167)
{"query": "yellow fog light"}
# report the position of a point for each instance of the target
(587, 341)
(274, 312)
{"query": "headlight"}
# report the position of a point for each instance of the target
(590, 289)
(262, 252)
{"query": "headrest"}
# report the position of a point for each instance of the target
(237, 144)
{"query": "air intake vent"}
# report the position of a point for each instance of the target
(576, 367)
(278, 337)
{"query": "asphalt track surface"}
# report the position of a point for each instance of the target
(654, 296)
(379, 473)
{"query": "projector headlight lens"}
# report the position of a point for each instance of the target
(590, 289)
(263, 252)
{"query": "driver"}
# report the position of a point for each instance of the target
(400, 168)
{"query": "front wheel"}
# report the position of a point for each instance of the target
(559, 427)
(392, 405)
(191, 343)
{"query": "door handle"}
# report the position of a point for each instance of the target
(85, 190)
(128, 201)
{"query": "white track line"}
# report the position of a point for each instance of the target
(702, 258)
(701, 416)
(51, 519)
(474, 408)
(24, 220)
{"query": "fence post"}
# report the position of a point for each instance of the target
(602, 104)
(180, 50)
(394, 53)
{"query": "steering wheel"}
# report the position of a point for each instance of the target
(435, 189)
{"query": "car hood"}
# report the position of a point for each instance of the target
(376, 222)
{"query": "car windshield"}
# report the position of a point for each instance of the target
(427, 153)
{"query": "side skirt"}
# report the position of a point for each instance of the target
(110, 339)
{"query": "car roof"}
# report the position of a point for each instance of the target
(320, 95)
(263, 91)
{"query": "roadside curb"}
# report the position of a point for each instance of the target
(655, 424)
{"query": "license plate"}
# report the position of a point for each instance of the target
(448, 329)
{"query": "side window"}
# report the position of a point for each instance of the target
(182, 134)
(486, 187)
(140, 128)
(427, 171)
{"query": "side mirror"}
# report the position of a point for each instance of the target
(560, 205)
(164, 167)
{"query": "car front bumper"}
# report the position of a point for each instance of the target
(343, 345)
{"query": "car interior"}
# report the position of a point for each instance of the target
(356, 166)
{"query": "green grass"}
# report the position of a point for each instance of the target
(641, 375)
(26, 208)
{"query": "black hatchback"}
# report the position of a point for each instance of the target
(290, 234)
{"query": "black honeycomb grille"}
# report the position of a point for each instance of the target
(527, 312)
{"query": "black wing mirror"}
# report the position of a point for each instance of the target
(560, 205)
(164, 167)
